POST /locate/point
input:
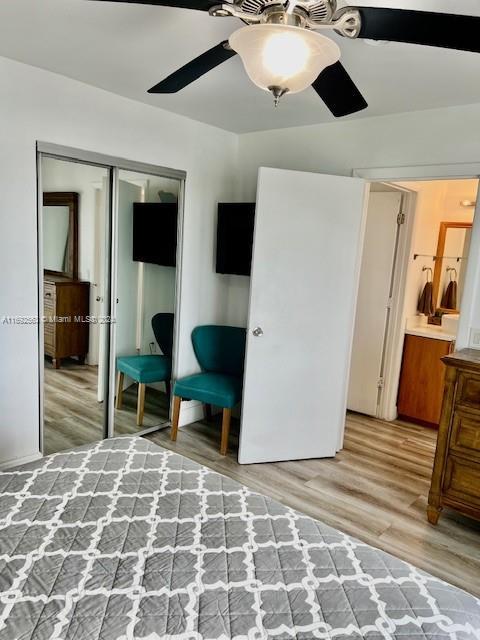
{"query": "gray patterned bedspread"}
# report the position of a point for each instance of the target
(124, 539)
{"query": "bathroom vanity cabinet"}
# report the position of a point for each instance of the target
(422, 379)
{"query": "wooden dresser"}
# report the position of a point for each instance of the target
(63, 300)
(456, 471)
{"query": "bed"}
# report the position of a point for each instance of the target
(123, 539)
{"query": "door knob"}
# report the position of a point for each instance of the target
(257, 332)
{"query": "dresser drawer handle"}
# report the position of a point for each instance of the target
(49, 295)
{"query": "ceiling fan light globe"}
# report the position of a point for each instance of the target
(283, 56)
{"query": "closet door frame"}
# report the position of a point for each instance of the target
(113, 165)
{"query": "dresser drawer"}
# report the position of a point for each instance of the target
(49, 291)
(49, 334)
(462, 480)
(466, 432)
(48, 307)
(468, 390)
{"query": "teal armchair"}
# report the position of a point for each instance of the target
(220, 352)
(145, 369)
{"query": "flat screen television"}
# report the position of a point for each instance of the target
(235, 237)
(155, 233)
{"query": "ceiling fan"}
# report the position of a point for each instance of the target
(282, 51)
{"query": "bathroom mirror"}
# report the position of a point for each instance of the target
(451, 265)
(60, 234)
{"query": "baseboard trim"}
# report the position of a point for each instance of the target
(15, 462)
(190, 412)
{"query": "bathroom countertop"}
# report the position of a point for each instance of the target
(431, 331)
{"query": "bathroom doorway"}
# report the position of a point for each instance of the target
(416, 244)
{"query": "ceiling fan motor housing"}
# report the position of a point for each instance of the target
(317, 10)
(307, 14)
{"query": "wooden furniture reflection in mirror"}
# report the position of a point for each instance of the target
(65, 298)
(60, 233)
(452, 252)
(65, 304)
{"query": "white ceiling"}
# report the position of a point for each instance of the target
(127, 48)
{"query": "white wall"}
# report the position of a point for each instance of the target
(159, 297)
(159, 281)
(38, 105)
(434, 137)
(426, 137)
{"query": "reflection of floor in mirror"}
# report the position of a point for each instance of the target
(156, 409)
(73, 416)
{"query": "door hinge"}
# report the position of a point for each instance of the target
(380, 383)
(401, 218)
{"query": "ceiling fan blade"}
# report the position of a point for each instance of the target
(451, 31)
(194, 69)
(199, 5)
(338, 91)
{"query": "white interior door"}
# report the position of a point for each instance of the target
(374, 300)
(308, 238)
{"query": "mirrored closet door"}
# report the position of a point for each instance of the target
(108, 234)
(73, 219)
(145, 299)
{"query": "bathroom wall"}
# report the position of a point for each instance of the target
(437, 201)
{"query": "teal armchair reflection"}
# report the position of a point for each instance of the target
(220, 352)
(145, 369)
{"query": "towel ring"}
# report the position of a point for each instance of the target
(429, 273)
(450, 269)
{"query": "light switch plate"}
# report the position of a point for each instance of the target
(475, 338)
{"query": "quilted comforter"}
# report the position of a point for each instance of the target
(123, 539)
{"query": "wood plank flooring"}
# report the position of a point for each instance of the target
(73, 416)
(375, 489)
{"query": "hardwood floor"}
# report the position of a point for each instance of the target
(374, 489)
(73, 416)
